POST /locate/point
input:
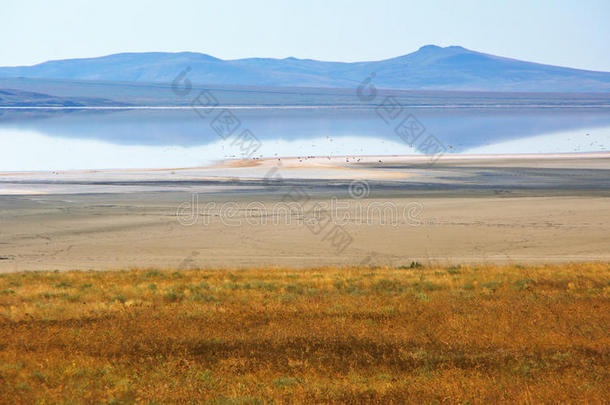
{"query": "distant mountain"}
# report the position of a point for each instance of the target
(430, 68)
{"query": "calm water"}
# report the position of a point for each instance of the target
(61, 140)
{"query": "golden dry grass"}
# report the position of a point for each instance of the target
(428, 335)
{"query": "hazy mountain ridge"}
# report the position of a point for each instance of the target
(431, 67)
(98, 93)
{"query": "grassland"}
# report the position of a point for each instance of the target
(416, 334)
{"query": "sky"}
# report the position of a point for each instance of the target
(558, 32)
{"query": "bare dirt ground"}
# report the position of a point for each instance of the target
(493, 211)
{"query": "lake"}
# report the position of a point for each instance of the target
(64, 139)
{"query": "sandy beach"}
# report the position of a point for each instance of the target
(392, 210)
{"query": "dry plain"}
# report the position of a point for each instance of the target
(513, 210)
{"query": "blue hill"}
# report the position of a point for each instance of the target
(429, 68)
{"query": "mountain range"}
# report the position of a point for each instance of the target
(429, 68)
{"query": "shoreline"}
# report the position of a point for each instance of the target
(484, 208)
(330, 162)
(396, 172)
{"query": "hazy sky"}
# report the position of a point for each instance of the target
(573, 33)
